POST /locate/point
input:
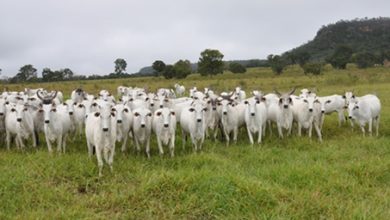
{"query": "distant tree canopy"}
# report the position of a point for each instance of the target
(210, 62)
(120, 66)
(169, 71)
(236, 68)
(313, 68)
(58, 75)
(26, 73)
(182, 69)
(341, 56)
(158, 67)
(365, 59)
(277, 63)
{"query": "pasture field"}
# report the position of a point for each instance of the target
(345, 177)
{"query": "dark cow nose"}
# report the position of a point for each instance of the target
(225, 113)
(47, 121)
(19, 119)
(166, 125)
(105, 129)
(199, 120)
(142, 125)
(161, 106)
(350, 117)
(1, 114)
(152, 104)
(310, 110)
(322, 111)
(214, 108)
(131, 99)
(285, 106)
(70, 113)
(253, 114)
(119, 121)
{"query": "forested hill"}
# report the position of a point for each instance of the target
(369, 35)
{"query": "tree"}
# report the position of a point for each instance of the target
(26, 73)
(169, 72)
(365, 59)
(277, 63)
(302, 58)
(341, 56)
(210, 62)
(159, 67)
(120, 66)
(182, 69)
(235, 67)
(67, 73)
(313, 68)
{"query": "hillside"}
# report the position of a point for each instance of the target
(371, 35)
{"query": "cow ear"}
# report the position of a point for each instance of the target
(97, 114)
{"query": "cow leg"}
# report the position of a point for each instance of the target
(370, 127)
(172, 145)
(99, 159)
(250, 135)
(160, 148)
(148, 147)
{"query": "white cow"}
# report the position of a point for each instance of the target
(57, 122)
(142, 127)
(255, 117)
(100, 131)
(193, 124)
(307, 113)
(280, 112)
(365, 109)
(124, 123)
(330, 104)
(78, 95)
(232, 117)
(180, 90)
(19, 123)
(164, 126)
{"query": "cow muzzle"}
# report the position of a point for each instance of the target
(119, 121)
(166, 125)
(105, 129)
(47, 121)
(142, 125)
(19, 120)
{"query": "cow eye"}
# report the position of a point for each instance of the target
(97, 114)
(166, 100)
(81, 106)
(353, 96)
(172, 113)
(257, 102)
(150, 114)
(208, 102)
(126, 110)
(246, 102)
(112, 114)
(54, 110)
(113, 109)
(25, 109)
(205, 109)
(305, 100)
(136, 114)
(94, 104)
(74, 103)
(219, 103)
(158, 113)
(7, 102)
(191, 110)
(356, 107)
(328, 102)
(344, 97)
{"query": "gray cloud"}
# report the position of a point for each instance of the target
(88, 35)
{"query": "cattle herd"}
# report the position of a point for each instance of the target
(137, 114)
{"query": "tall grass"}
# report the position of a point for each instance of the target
(345, 177)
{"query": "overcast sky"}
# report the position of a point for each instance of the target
(88, 35)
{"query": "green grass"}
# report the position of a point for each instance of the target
(345, 177)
